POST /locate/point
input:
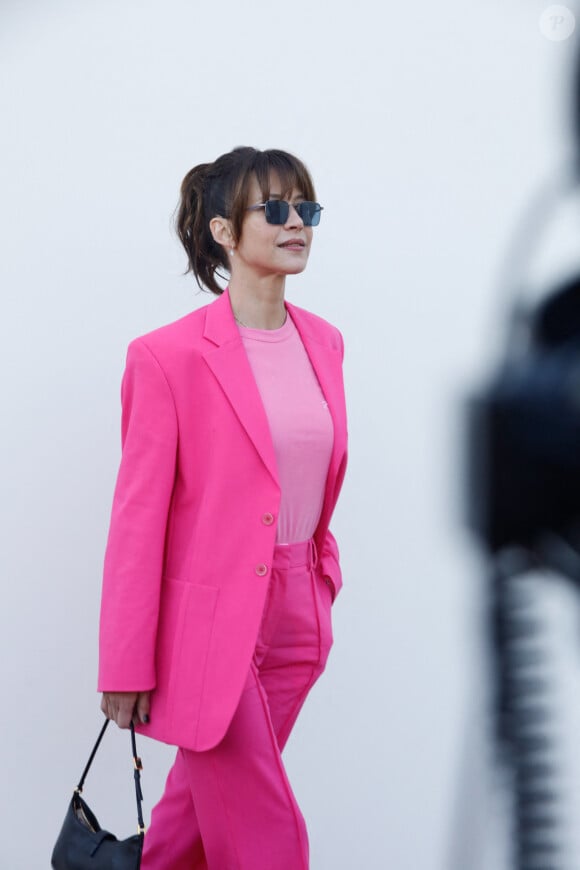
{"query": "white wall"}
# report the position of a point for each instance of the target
(426, 126)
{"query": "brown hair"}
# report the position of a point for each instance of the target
(221, 189)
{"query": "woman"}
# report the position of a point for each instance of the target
(220, 569)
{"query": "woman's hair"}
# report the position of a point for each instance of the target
(221, 189)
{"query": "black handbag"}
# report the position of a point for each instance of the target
(83, 845)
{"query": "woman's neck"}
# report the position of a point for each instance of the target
(259, 306)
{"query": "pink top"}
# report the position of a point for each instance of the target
(300, 425)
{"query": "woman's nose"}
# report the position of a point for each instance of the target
(294, 219)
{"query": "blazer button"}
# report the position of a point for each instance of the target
(267, 519)
(261, 570)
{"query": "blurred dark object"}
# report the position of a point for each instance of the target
(524, 436)
(523, 490)
(523, 504)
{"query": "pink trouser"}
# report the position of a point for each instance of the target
(232, 807)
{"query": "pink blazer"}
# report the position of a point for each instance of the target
(193, 521)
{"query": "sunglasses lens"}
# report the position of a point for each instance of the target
(276, 211)
(309, 212)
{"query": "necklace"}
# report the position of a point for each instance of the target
(237, 319)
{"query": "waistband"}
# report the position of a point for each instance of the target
(301, 553)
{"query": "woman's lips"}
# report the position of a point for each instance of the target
(293, 245)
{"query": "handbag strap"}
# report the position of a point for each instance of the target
(137, 765)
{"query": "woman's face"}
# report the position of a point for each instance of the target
(270, 248)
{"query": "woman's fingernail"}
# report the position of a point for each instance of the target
(146, 718)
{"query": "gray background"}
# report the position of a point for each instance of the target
(426, 126)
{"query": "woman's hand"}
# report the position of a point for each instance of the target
(121, 707)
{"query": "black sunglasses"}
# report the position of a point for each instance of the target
(277, 211)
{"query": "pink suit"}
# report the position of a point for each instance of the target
(191, 546)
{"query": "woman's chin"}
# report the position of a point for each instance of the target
(295, 268)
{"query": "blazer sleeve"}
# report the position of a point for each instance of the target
(134, 555)
(329, 557)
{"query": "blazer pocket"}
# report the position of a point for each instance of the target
(188, 630)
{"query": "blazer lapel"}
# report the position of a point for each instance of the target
(229, 362)
(327, 363)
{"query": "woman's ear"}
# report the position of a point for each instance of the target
(221, 230)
